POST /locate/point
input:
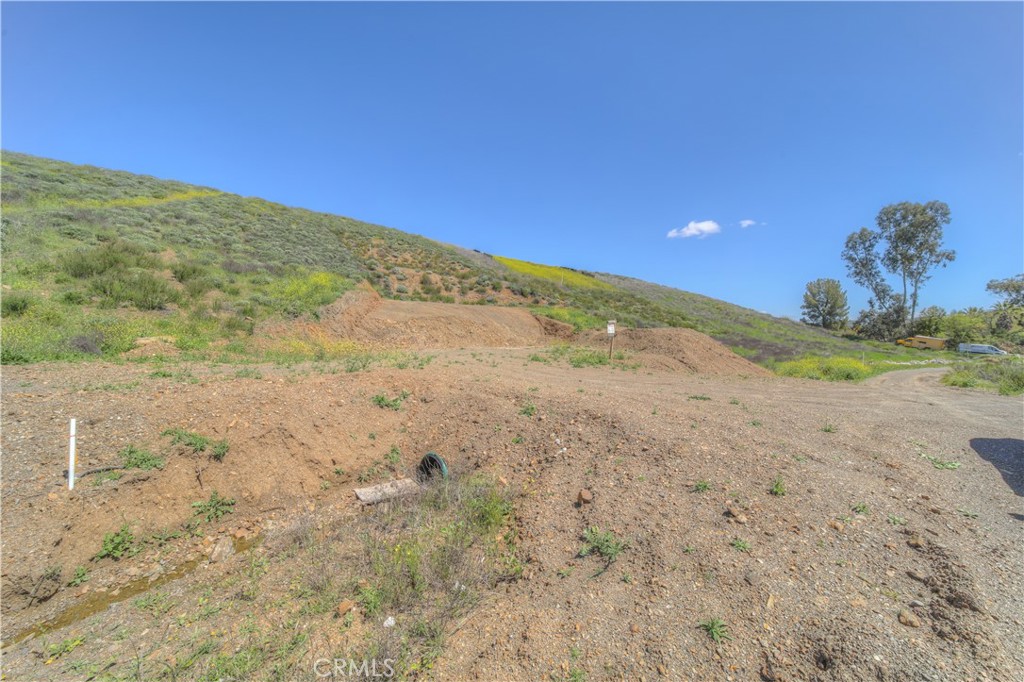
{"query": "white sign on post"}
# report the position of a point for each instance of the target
(611, 327)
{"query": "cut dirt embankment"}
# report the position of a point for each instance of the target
(366, 318)
(675, 349)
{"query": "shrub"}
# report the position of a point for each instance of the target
(14, 303)
(139, 288)
(134, 458)
(117, 254)
(117, 545)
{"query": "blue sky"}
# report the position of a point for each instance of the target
(577, 134)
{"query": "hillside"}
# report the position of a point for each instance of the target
(95, 259)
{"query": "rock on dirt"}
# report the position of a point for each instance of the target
(223, 549)
(908, 618)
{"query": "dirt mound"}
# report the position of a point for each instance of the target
(365, 317)
(678, 349)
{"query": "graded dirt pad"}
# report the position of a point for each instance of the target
(893, 554)
(361, 315)
(678, 349)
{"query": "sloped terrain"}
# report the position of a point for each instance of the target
(89, 251)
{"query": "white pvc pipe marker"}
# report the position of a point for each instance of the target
(71, 457)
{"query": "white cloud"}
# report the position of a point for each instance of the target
(696, 229)
(747, 223)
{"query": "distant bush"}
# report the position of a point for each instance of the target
(184, 272)
(827, 369)
(139, 288)
(73, 298)
(1006, 375)
(117, 254)
(14, 303)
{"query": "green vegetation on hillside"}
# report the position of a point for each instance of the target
(563, 276)
(94, 260)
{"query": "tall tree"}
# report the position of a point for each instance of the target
(913, 236)
(862, 264)
(1010, 289)
(825, 304)
(908, 243)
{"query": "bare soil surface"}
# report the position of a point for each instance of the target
(362, 315)
(893, 554)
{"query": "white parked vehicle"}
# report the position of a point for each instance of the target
(982, 348)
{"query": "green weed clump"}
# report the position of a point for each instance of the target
(1005, 375)
(306, 293)
(428, 559)
(118, 544)
(577, 318)
(213, 508)
(134, 458)
(825, 369)
(198, 443)
(603, 543)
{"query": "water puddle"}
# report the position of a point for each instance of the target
(95, 602)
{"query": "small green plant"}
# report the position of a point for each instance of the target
(517, 440)
(189, 439)
(565, 571)
(81, 576)
(716, 630)
(701, 486)
(861, 508)
(528, 410)
(338, 471)
(394, 456)
(162, 537)
(740, 545)
(734, 401)
(134, 458)
(897, 520)
(213, 508)
(699, 397)
(942, 464)
(197, 442)
(105, 476)
(155, 604)
(778, 488)
(603, 543)
(756, 422)
(968, 513)
(829, 427)
(220, 448)
(117, 545)
(627, 578)
(55, 651)
(384, 402)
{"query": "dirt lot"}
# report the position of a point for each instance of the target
(891, 549)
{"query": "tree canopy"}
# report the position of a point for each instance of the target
(825, 304)
(1011, 289)
(906, 243)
